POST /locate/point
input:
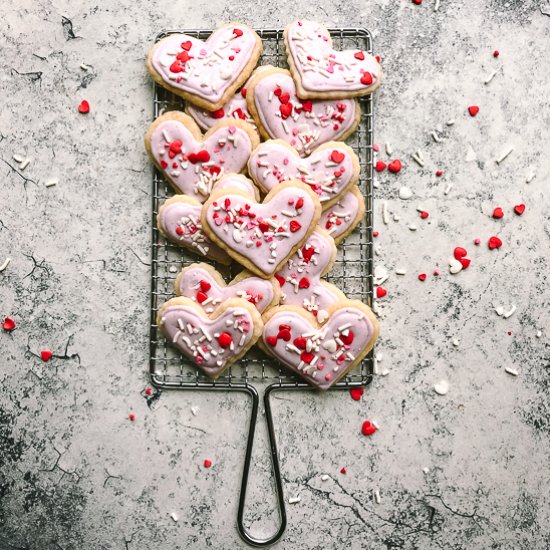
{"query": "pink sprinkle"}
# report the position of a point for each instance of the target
(477, 241)
(232, 129)
(376, 147)
(285, 161)
(218, 221)
(294, 131)
(203, 52)
(328, 376)
(436, 272)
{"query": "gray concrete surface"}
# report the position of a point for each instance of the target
(75, 473)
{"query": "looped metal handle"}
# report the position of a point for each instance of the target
(245, 535)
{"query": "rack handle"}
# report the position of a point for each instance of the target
(245, 535)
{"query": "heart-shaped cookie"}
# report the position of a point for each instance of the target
(341, 218)
(206, 287)
(330, 170)
(300, 279)
(321, 353)
(206, 73)
(262, 236)
(303, 124)
(191, 162)
(212, 342)
(322, 72)
(179, 219)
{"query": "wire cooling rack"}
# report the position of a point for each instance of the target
(352, 273)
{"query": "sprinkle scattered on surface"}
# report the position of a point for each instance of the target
(442, 387)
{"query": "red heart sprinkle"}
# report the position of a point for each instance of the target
(295, 226)
(237, 32)
(359, 55)
(473, 110)
(498, 213)
(465, 262)
(207, 463)
(366, 78)
(186, 45)
(381, 292)
(284, 335)
(175, 147)
(307, 356)
(218, 114)
(460, 252)
(417, 2)
(148, 391)
(307, 106)
(299, 203)
(347, 339)
(394, 166)
(304, 283)
(375, 233)
(9, 324)
(224, 339)
(343, 471)
(424, 214)
(284, 98)
(203, 155)
(300, 342)
(163, 164)
(201, 297)
(84, 107)
(496, 53)
(307, 253)
(192, 158)
(368, 428)
(519, 209)
(46, 355)
(439, 173)
(337, 156)
(422, 277)
(356, 393)
(271, 340)
(380, 166)
(278, 92)
(205, 286)
(494, 242)
(243, 92)
(286, 110)
(263, 226)
(280, 279)
(132, 417)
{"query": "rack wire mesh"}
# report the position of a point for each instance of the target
(352, 272)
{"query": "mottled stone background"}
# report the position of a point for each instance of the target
(75, 473)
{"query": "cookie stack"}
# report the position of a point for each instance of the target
(285, 131)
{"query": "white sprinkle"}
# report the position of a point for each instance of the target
(194, 410)
(50, 183)
(84, 67)
(166, 136)
(455, 342)
(450, 122)
(405, 193)
(511, 371)
(530, 177)
(425, 469)
(448, 188)
(400, 271)
(174, 516)
(25, 163)
(18, 158)
(435, 137)
(454, 266)
(325, 477)
(498, 160)
(294, 500)
(539, 333)
(385, 372)
(5, 264)
(376, 494)
(499, 310)
(436, 7)
(441, 387)
(389, 149)
(413, 227)
(418, 160)
(379, 356)
(385, 217)
(510, 312)
(490, 77)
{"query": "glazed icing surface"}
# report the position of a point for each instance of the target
(194, 167)
(303, 124)
(327, 171)
(198, 284)
(205, 69)
(301, 276)
(181, 222)
(200, 339)
(319, 355)
(323, 69)
(263, 233)
(338, 218)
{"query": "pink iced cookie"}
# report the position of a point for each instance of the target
(322, 72)
(212, 342)
(340, 219)
(206, 73)
(330, 170)
(206, 287)
(303, 124)
(193, 163)
(262, 236)
(300, 279)
(321, 353)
